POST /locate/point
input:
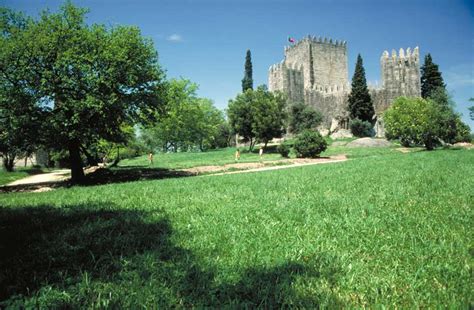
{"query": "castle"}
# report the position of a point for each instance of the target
(315, 71)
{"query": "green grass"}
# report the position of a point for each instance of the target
(389, 229)
(218, 157)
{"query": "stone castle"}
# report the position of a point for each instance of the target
(315, 71)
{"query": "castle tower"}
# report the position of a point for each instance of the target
(314, 71)
(401, 74)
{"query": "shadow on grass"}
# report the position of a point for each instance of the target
(106, 176)
(122, 252)
(132, 173)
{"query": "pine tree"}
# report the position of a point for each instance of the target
(360, 103)
(431, 78)
(247, 81)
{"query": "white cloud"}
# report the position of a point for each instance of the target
(175, 38)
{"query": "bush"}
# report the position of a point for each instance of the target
(414, 121)
(361, 128)
(284, 149)
(309, 144)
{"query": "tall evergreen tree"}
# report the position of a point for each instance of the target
(431, 78)
(360, 103)
(247, 81)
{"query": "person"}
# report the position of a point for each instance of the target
(150, 158)
(260, 153)
(237, 155)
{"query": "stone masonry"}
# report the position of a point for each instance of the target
(315, 71)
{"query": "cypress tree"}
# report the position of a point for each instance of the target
(360, 103)
(431, 78)
(247, 81)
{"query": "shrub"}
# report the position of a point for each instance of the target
(361, 128)
(414, 121)
(284, 149)
(309, 144)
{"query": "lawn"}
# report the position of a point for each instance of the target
(221, 157)
(218, 157)
(390, 229)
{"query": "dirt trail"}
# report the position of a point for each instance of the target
(291, 163)
(43, 181)
(55, 176)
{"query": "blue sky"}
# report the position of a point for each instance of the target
(206, 40)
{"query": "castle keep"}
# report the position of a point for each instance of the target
(315, 71)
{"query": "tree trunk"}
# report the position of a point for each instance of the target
(265, 146)
(117, 159)
(8, 162)
(251, 145)
(77, 174)
(91, 160)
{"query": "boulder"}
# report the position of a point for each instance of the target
(342, 133)
(369, 142)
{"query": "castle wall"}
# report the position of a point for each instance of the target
(315, 71)
(329, 64)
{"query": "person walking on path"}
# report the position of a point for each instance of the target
(260, 153)
(237, 155)
(150, 158)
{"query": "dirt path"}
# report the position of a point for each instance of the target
(51, 177)
(291, 163)
(46, 181)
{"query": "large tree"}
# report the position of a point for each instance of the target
(20, 113)
(431, 78)
(257, 115)
(247, 81)
(93, 79)
(303, 117)
(360, 103)
(188, 121)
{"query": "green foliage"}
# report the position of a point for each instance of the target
(452, 129)
(360, 103)
(309, 237)
(21, 115)
(471, 110)
(414, 121)
(268, 115)
(284, 149)
(302, 117)
(309, 144)
(361, 128)
(187, 123)
(463, 131)
(223, 136)
(257, 115)
(431, 78)
(94, 79)
(247, 81)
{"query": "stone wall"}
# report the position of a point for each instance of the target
(315, 71)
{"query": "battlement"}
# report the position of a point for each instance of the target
(402, 55)
(330, 90)
(317, 40)
(282, 66)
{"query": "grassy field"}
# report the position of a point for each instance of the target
(192, 159)
(385, 228)
(226, 156)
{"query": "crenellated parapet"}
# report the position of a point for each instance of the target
(314, 40)
(401, 73)
(315, 70)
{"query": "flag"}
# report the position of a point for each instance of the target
(291, 40)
